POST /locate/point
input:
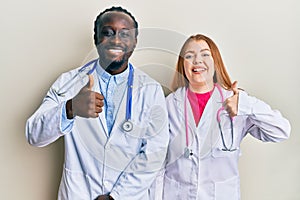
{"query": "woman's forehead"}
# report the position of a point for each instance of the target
(197, 45)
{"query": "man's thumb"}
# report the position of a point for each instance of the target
(90, 83)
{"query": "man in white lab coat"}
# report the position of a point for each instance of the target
(114, 123)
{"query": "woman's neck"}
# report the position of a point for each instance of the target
(199, 88)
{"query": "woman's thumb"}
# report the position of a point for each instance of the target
(234, 88)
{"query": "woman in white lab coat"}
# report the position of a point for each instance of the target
(208, 118)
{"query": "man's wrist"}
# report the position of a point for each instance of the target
(69, 109)
(104, 197)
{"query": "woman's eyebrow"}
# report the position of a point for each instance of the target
(204, 50)
(190, 51)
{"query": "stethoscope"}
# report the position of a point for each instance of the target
(83, 71)
(188, 151)
(127, 125)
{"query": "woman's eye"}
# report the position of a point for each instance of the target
(206, 54)
(188, 56)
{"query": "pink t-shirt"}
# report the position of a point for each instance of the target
(198, 102)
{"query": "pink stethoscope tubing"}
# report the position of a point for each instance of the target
(218, 120)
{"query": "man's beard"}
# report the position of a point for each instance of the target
(115, 65)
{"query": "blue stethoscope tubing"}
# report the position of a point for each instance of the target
(87, 64)
(127, 125)
(188, 152)
(64, 89)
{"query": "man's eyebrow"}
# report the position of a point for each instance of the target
(110, 27)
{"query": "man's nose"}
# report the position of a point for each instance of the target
(116, 38)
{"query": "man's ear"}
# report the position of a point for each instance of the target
(135, 43)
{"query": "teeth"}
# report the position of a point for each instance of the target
(198, 69)
(115, 50)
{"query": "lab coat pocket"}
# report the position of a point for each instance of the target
(74, 185)
(220, 151)
(156, 189)
(171, 189)
(228, 189)
(226, 143)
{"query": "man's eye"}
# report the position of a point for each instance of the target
(124, 34)
(107, 33)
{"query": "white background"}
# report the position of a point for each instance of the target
(259, 42)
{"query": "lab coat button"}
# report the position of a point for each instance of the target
(105, 183)
(107, 147)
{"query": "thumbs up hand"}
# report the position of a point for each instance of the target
(90, 83)
(231, 103)
(86, 103)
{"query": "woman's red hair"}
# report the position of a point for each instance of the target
(221, 76)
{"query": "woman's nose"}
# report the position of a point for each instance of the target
(197, 60)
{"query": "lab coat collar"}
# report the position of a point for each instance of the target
(105, 76)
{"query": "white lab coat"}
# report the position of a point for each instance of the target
(210, 173)
(124, 163)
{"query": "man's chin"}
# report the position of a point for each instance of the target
(115, 65)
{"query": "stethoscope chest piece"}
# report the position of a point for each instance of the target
(188, 152)
(127, 126)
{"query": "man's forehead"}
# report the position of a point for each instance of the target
(115, 16)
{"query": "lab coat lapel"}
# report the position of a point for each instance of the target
(208, 124)
(180, 97)
(207, 115)
(102, 119)
(178, 144)
(121, 112)
(92, 132)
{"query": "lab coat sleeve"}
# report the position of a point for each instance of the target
(136, 179)
(262, 121)
(66, 124)
(48, 123)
